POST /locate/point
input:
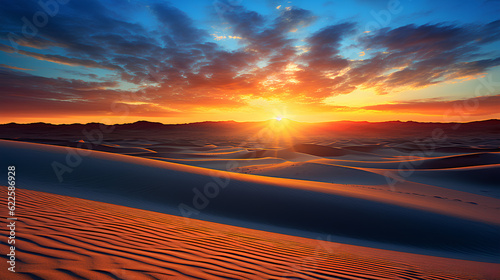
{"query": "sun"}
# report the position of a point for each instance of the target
(279, 118)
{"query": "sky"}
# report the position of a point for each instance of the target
(118, 61)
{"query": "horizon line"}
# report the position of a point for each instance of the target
(242, 122)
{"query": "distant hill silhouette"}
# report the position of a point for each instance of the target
(232, 128)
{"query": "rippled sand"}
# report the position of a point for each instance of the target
(61, 237)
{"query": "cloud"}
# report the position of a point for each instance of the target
(424, 55)
(180, 28)
(25, 94)
(489, 33)
(15, 68)
(475, 106)
(62, 59)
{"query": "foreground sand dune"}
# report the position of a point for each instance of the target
(463, 226)
(61, 237)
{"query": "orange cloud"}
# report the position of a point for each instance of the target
(15, 68)
(475, 106)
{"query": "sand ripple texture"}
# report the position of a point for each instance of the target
(60, 237)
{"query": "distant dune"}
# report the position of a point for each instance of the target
(318, 150)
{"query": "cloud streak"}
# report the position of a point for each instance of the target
(476, 106)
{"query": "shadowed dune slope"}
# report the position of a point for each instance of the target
(454, 161)
(318, 150)
(317, 171)
(466, 160)
(487, 177)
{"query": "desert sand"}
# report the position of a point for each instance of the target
(156, 208)
(69, 238)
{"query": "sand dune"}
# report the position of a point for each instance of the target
(351, 214)
(442, 162)
(318, 150)
(418, 162)
(466, 160)
(222, 164)
(69, 238)
(318, 171)
(475, 179)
